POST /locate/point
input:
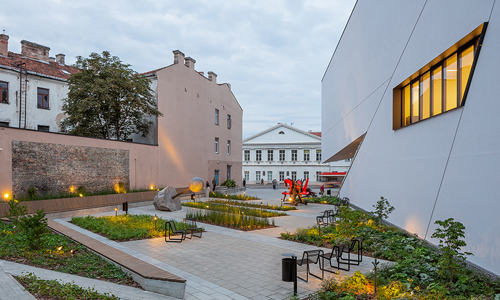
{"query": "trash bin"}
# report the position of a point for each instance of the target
(288, 269)
(125, 207)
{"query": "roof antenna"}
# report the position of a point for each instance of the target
(3, 31)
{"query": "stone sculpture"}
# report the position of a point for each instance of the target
(165, 201)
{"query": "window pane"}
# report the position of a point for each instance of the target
(3, 85)
(414, 102)
(40, 100)
(425, 95)
(466, 59)
(4, 96)
(450, 83)
(406, 105)
(437, 91)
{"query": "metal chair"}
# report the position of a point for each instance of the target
(193, 228)
(310, 257)
(336, 255)
(359, 242)
(170, 226)
(324, 219)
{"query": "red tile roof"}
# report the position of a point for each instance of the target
(50, 69)
(315, 133)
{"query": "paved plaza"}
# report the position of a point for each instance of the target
(223, 264)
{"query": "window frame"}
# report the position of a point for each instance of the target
(318, 152)
(281, 151)
(295, 154)
(42, 95)
(228, 147)
(217, 145)
(474, 39)
(306, 175)
(216, 117)
(6, 92)
(245, 157)
(270, 155)
(258, 155)
(307, 155)
(228, 121)
(282, 175)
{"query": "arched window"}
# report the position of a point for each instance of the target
(282, 132)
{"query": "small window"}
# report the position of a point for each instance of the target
(229, 121)
(216, 145)
(318, 155)
(216, 117)
(306, 175)
(269, 176)
(4, 124)
(4, 92)
(258, 155)
(270, 155)
(247, 175)
(247, 155)
(282, 175)
(43, 128)
(257, 175)
(228, 147)
(294, 155)
(43, 98)
(294, 175)
(307, 155)
(282, 155)
(282, 132)
(228, 172)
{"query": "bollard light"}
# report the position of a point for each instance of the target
(320, 222)
(116, 211)
(156, 218)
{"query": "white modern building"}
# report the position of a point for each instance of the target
(283, 151)
(411, 93)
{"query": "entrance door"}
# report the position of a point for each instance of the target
(216, 176)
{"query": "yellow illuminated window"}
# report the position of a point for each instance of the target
(425, 95)
(414, 102)
(450, 82)
(406, 105)
(466, 59)
(437, 91)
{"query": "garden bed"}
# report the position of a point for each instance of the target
(231, 208)
(254, 205)
(239, 221)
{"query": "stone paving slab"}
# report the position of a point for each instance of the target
(11, 289)
(121, 291)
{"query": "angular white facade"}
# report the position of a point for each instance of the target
(441, 167)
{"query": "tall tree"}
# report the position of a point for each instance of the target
(108, 99)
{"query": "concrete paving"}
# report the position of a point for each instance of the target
(223, 264)
(10, 289)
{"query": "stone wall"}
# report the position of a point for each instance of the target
(55, 167)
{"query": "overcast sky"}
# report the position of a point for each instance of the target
(273, 53)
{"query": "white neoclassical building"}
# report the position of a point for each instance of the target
(283, 151)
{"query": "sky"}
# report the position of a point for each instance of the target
(273, 53)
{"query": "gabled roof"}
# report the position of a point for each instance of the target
(309, 134)
(37, 67)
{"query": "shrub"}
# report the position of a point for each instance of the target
(382, 210)
(32, 193)
(33, 228)
(81, 190)
(450, 241)
(16, 211)
(230, 183)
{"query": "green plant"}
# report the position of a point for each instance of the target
(225, 207)
(121, 188)
(234, 197)
(240, 221)
(450, 237)
(230, 183)
(81, 191)
(54, 289)
(33, 228)
(16, 211)
(382, 210)
(32, 193)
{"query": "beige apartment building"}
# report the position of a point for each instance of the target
(199, 134)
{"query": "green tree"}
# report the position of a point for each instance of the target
(450, 237)
(108, 99)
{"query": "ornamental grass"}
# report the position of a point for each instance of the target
(239, 220)
(230, 208)
(256, 205)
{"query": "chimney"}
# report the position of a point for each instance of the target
(4, 44)
(189, 62)
(178, 56)
(34, 51)
(212, 76)
(60, 58)
(52, 59)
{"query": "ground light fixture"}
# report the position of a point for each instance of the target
(155, 218)
(116, 211)
(320, 222)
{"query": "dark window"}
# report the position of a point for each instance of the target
(43, 98)
(43, 128)
(4, 124)
(4, 92)
(281, 132)
(216, 117)
(229, 121)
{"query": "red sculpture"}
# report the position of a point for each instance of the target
(296, 191)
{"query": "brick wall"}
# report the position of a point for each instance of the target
(55, 167)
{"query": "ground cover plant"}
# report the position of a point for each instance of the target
(51, 251)
(323, 200)
(233, 197)
(255, 205)
(53, 289)
(418, 271)
(125, 227)
(225, 207)
(239, 221)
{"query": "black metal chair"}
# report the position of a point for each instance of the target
(345, 201)
(193, 228)
(356, 241)
(335, 255)
(170, 226)
(324, 219)
(310, 257)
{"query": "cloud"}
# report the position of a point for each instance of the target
(273, 53)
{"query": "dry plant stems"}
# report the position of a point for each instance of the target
(248, 204)
(237, 221)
